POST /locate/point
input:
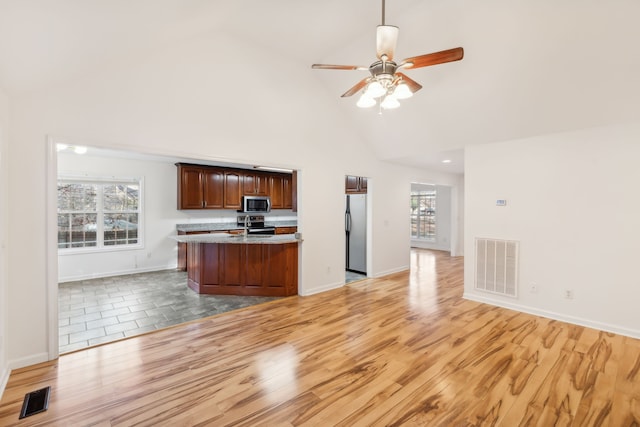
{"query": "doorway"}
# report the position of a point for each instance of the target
(356, 208)
(119, 276)
(431, 216)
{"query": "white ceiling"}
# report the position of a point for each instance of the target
(531, 67)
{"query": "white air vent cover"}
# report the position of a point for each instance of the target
(497, 266)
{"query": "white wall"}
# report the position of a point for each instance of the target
(572, 203)
(4, 244)
(180, 102)
(159, 218)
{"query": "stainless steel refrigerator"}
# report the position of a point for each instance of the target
(355, 222)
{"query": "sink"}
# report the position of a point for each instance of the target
(251, 236)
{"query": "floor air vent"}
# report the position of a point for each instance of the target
(35, 402)
(497, 266)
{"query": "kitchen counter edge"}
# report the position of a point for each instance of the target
(277, 239)
(223, 226)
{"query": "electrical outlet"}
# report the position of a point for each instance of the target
(568, 293)
(533, 288)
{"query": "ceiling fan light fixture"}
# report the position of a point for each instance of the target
(375, 89)
(365, 101)
(402, 91)
(389, 102)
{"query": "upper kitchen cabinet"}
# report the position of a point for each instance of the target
(281, 191)
(355, 184)
(255, 184)
(211, 187)
(200, 187)
(232, 189)
(205, 187)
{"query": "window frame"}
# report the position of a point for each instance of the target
(101, 181)
(433, 195)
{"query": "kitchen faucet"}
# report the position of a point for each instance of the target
(247, 223)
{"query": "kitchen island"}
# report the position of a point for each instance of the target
(256, 265)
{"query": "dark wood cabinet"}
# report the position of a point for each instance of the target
(190, 195)
(200, 187)
(210, 187)
(355, 184)
(286, 230)
(243, 269)
(255, 184)
(232, 190)
(213, 188)
(281, 191)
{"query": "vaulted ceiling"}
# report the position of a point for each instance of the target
(531, 67)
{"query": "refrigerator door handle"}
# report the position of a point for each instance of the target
(347, 222)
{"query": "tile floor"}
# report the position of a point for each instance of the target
(102, 310)
(352, 276)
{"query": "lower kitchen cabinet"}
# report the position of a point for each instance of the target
(243, 269)
(286, 230)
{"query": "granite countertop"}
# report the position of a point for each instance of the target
(222, 226)
(261, 239)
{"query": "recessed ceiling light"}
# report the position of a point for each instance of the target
(446, 161)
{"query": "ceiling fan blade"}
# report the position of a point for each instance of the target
(338, 67)
(435, 58)
(414, 86)
(362, 83)
(386, 40)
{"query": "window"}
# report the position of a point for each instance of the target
(98, 214)
(423, 214)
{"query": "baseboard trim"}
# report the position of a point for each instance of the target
(115, 273)
(4, 378)
(324, 288)
(606, 327)
(28, 361)
(392, 271)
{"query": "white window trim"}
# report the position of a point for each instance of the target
(427, 240)
(70, 177)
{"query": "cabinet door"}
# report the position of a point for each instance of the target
(232, 190)
(213, 188)
(351, 184)
(255, 184)
(287, 192)
(276, 188)
(355, 184)
(248, 184)
(190, 187)
(363, 184)
(262, 184)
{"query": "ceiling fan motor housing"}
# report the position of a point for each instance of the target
(381, 69)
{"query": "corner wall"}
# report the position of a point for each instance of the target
(572, 203)
(4, 243)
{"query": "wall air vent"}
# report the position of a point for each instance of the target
(497, 266)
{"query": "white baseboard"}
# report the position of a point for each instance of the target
(115, 273)
(323, 288)
(392, 271)
(28, 361)
(606, 327)
(4, 378)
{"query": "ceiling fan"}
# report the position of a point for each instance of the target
(386, 83)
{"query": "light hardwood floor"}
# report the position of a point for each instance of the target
(405, 349)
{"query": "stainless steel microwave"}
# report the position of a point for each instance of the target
(256, 204)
